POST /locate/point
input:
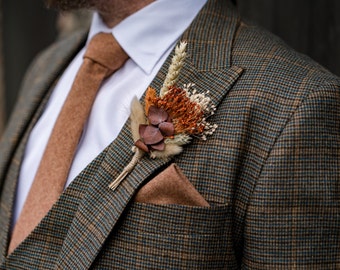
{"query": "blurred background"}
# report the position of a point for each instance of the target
(26, 27)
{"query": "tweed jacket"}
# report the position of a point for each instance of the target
(270, 172)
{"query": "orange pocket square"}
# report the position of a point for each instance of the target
(170, 186)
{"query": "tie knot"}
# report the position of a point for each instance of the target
(104, 49)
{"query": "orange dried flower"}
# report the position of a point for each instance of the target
(150, 98)
(186, 115)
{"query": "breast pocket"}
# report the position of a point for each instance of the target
(171, 237)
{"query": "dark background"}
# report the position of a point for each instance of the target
(309, 26)
(27, 28)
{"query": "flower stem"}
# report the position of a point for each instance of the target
(135, 159)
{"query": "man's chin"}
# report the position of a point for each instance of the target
(69, 4)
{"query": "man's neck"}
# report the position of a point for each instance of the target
(114, 11)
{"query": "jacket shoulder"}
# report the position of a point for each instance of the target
(269, 58)
(57, 54)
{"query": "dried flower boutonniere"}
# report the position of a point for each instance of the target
(170, 120)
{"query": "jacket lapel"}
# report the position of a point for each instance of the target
(40, 79)
(210, 69)
(29, 106)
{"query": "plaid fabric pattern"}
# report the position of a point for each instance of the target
(200, 244)
(8, 192)
(29, 254)
(270, 171)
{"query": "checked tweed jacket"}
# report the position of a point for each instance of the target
(270, 172)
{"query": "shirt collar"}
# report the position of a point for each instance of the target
(150, 32)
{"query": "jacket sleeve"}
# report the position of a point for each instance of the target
(293, 219)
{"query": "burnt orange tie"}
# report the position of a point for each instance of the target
(102, 57)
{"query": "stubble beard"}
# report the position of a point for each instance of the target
(69, 4)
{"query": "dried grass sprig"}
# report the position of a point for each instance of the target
(175, 68)
(137, 118)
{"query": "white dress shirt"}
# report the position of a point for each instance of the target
(148, 36)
